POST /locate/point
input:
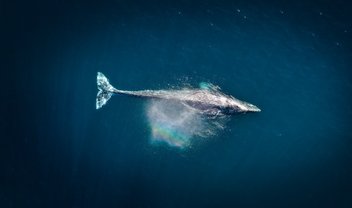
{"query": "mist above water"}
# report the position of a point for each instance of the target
(179, 125)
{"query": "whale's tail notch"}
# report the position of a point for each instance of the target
(106, 90)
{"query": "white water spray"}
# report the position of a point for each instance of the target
(178, 125)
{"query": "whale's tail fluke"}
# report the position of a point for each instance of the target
(106, 90)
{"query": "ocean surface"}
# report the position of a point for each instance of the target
(292, 59)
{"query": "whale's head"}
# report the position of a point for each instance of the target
(251, 108)
(238, 106)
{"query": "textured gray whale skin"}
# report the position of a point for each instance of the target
(206, 101)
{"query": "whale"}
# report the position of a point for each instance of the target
(207, 99)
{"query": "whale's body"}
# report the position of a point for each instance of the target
(208, 101)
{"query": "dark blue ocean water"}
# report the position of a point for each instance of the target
(290, 58)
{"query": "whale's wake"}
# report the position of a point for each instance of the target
(178, 125)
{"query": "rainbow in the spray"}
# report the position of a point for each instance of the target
(169, 135)
(175, 124)
(171, 123)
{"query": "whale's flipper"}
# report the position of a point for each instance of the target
(105, 90)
